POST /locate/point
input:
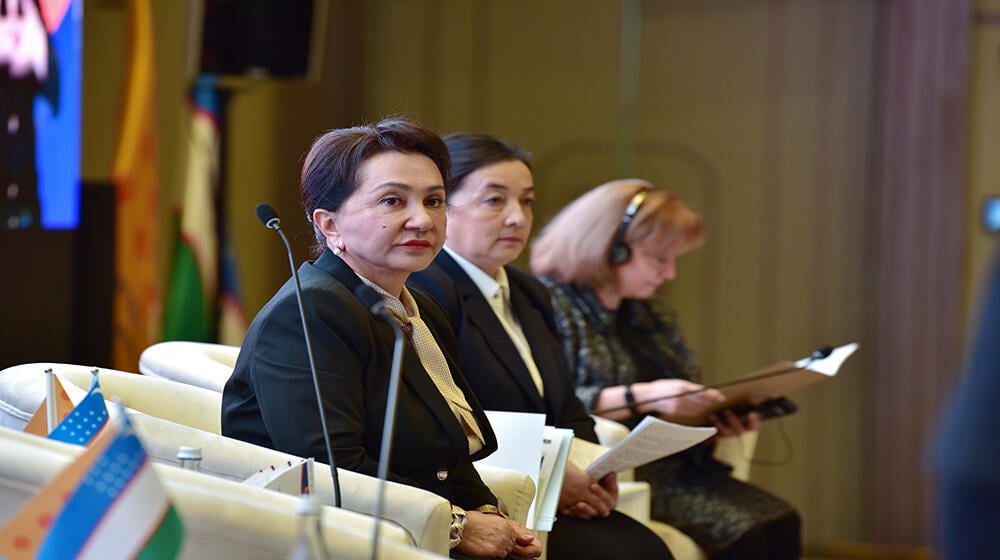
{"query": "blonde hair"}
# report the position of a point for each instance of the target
(575, 246)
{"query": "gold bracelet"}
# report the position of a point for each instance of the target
(491, 509)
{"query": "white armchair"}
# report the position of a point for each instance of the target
(425, 516)
(202, 364)
(209, 366)
(222, 519)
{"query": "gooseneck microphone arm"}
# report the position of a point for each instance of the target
(268, 217)
(374, 303)
(818, 354)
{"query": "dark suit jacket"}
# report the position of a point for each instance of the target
(967, 464)
(270, 399)
(490, 360)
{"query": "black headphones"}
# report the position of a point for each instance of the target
(620, 251)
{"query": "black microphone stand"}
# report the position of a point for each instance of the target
(269, 218)
(374, 302)
(818, 354)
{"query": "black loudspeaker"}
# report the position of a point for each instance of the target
(36, 296)
(94, 275)
(620, 251)
(262, 38)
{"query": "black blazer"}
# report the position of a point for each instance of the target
(490, 360)
(270, 399)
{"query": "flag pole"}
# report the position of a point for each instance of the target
(50, 399)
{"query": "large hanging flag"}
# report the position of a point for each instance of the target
(83, 424)
(232, 318)
(116, 508)
(136, 306)
(189, 313)
(203, 302)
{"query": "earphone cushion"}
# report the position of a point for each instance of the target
(620, 254)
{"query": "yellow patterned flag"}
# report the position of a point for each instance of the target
(136, 308)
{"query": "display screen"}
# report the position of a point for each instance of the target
(40, 97)
(991, 214)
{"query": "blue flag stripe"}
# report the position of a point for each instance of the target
(83, 422)
(100, 487)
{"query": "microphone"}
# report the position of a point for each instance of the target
(374, 303)
(268, 217)
(817, 354)
(820, 353)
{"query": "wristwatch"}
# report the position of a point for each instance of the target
(458, 520)
(630, 400)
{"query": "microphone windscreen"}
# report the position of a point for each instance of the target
(265, 213)
(370, 298)
(822, 352)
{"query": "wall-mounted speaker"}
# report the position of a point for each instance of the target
(258, 38)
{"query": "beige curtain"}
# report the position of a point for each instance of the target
(919, 256)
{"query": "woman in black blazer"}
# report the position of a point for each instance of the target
(376, 198)
(513, 359)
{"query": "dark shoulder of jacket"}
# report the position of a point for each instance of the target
(431, 310)
(435, 282)
(536, 292)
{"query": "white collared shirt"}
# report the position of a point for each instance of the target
(497, 293)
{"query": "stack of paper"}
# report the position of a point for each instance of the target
(527, 445)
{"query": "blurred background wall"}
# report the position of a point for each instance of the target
(839, 152)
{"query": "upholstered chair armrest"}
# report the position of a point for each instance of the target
(425, 516)
(680, 545)
(222, 519)
(514, 488)
(201, 364)
(634, 500)
(609, 432)
(737, 452)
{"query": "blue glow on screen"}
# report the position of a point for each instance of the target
(58, 132)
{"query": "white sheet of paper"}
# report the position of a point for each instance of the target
(519, 444)
(650, 440)
(831, 364)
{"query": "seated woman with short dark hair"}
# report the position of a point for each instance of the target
(376, 198)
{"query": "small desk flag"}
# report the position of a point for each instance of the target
(115, 507)
(84, 422)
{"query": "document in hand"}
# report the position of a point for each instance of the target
(526, 444)
(779, 379)
(650, 440)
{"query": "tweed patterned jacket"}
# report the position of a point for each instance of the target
(638, 342)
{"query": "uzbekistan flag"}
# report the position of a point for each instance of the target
(119, 510)
(203, 303)
(108, 503)
(84, 422)
(190, 312)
